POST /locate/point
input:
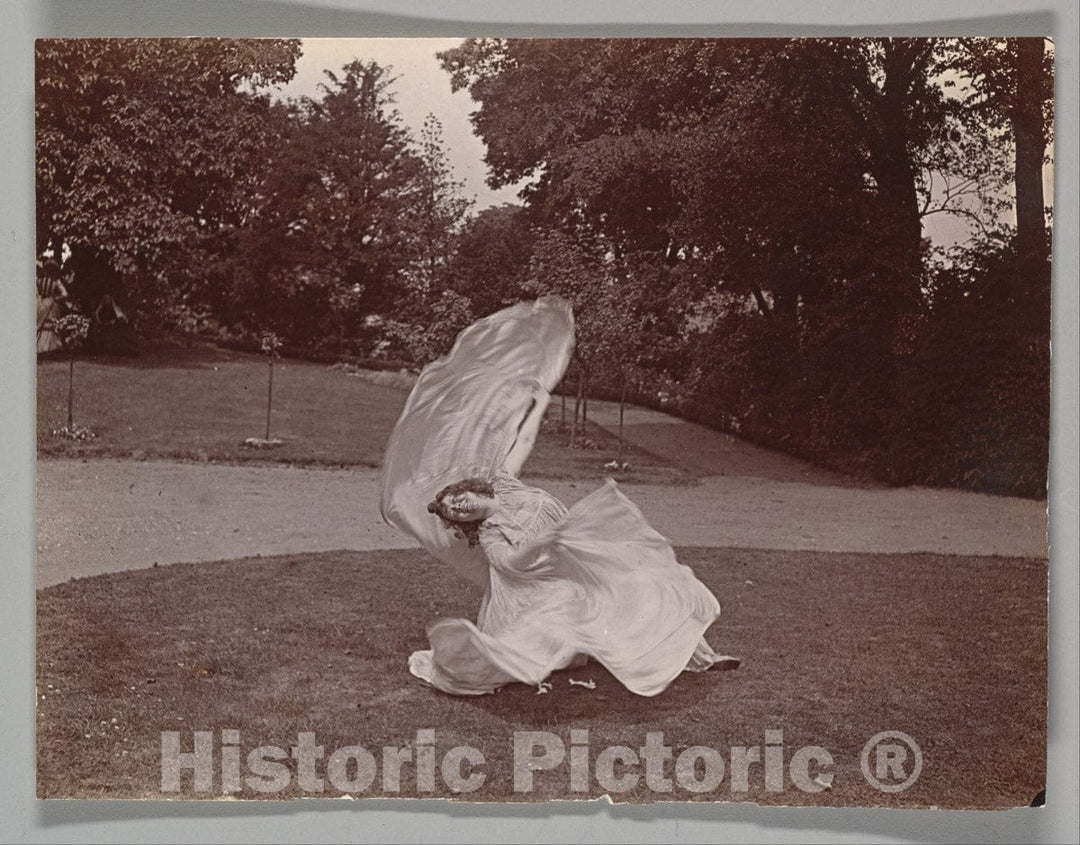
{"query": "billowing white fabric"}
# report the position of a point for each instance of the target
(560, 585)
(471, 413)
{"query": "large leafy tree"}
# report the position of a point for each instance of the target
(742, 157)
(594, 123)
(778, 187)
(491, 259)
(640, 140)
(613, 325)
(330, 240)
(1006, 89)
(147, 153)
(435, 215)
(587, 120)
(429, 313)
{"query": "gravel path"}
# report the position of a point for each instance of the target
(98, 516)
(109, 515)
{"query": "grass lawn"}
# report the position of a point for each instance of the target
(201, 403)
(836, 648)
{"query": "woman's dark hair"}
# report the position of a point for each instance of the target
(470, 530)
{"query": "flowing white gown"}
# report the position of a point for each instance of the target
(559, 585)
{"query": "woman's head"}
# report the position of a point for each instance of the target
(464, 505)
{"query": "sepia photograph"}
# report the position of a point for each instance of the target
(517, 420)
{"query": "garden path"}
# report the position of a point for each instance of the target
(107, 515)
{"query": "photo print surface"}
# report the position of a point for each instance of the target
(514, 420)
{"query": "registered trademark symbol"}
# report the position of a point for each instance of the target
(891, 761)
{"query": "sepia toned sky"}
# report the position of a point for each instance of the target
(422, 87)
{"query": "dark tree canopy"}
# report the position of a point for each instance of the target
(490, 265)
(1009, 94)
(326, 237)
(356, 216)
(146, 152)
(778, 187)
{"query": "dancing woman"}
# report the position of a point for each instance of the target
(561, 586)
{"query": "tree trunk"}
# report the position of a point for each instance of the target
(577, 410)
(894, 173)
(1032, 247)
(622, 406)
(759, 298)
(585, 404)
(786, 320)
(269, 397)
(71, 391)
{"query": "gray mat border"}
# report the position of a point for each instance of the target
(24, 819)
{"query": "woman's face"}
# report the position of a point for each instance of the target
(467, 506)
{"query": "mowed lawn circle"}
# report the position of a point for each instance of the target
(836, 648)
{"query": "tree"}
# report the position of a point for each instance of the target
(778, 185)
(435, 215)
(490, 262)
(608, 296)
(776, 197)
(332, 240)
(1008, 95)
(430, 313)
(270, 345)
(72, 330)
(607, 128)
(889, 87)
(683, 152)
(146, 152)
(592, 122)
(1030, 114)
(424, 340)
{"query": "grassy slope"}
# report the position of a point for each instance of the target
(201, 403)
(836, 647)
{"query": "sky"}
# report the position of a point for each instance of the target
(422, 88)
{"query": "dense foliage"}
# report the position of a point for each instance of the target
(756, 209)
(739, 223)
(147, 154)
